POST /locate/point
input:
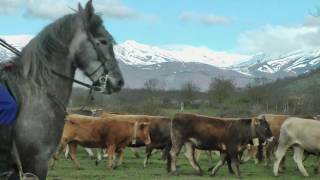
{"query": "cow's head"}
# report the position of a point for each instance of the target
(143, 133)
(261, 128)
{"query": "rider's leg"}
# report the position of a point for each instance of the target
(8, 111)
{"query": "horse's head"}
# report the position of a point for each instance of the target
(95, 55)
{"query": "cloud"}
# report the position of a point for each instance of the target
(52, 9)
(277, 40)
(9, 6)
(206, 19)
(46, 9)
(212, 20)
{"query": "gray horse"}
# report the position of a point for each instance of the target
(75, 40)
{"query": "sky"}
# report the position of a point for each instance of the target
(243, 27)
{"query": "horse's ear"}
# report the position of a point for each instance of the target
(256, 121)
(80, 8)
(89, 10)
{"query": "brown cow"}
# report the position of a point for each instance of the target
(159, 128)
(212, 133)
(97, 132)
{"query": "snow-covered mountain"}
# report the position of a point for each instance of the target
(134, 53)
(174, 65)
(291, 64)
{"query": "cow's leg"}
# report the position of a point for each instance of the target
(73, 154)
(219, 164)
(165, 152)
(228, 159)
(317, 166)
(298, 157)
(111, 155)
(270, 149)
(280, 153)
(148, 154)
(135, 152)
(99, 156)
(240, 155)
(268, 154)
(235, 164)
(259, 153)
(90, 153)
(190, 154)
(172, 158)
(55, 156)
(197, 154)
(66, 151)
(120, 157)
(209, 154)
(282, 166)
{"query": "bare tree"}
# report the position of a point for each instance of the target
(152, 84)
(188, 92)
(220, 90)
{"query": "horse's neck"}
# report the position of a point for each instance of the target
(58, 87)
(62, 87)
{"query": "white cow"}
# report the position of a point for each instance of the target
(302, 135)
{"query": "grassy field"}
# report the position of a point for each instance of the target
(132, 169)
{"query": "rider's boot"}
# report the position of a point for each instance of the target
(6, 158)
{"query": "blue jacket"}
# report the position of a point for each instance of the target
(8, 107)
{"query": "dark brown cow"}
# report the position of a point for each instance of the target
(97, 132)
(159, 128)
(228, 136)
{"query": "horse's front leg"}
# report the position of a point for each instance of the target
(37, 165)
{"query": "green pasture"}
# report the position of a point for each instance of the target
(132, 169)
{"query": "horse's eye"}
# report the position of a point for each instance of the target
(103, 42)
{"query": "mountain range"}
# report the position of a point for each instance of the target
(176, 65)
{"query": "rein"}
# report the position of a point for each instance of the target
(15, 51)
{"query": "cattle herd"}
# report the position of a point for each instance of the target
(264, 136)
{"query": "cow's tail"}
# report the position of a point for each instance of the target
(169, 160)
(168, 155)
(66, 153)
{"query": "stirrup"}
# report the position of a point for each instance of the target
(28, 176)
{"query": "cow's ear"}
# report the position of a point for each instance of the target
(143, 126)
(256, 121)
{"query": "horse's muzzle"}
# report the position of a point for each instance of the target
(112, 87)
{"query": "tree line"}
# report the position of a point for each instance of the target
(297, 95)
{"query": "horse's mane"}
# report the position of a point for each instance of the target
(49, 45)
